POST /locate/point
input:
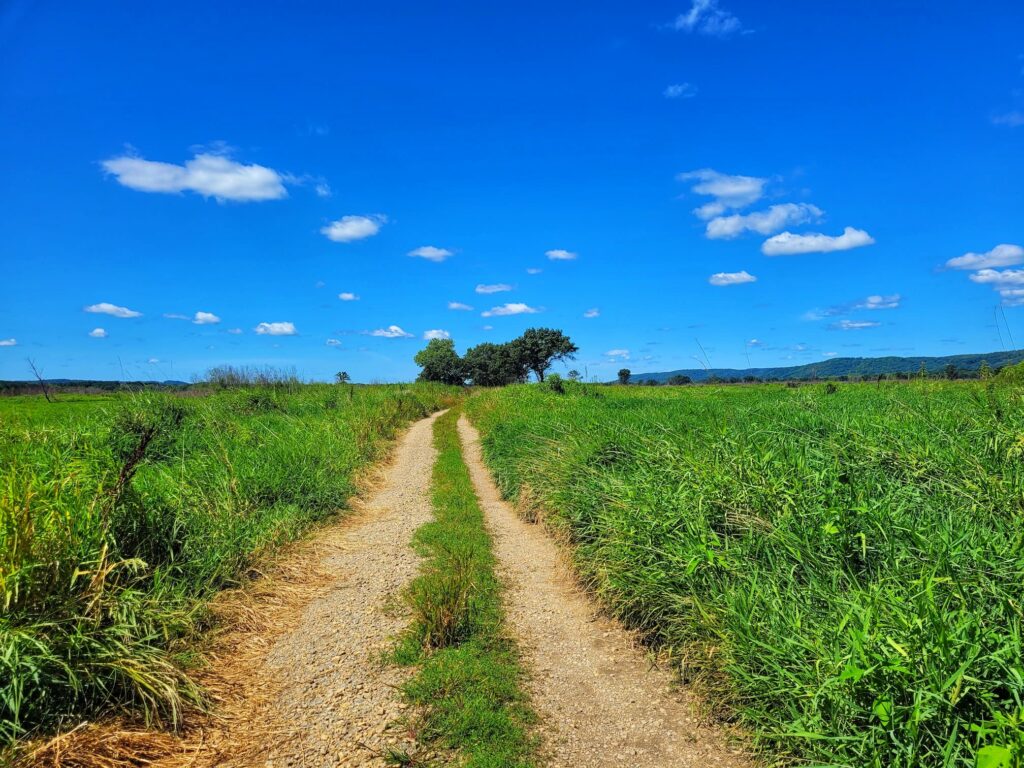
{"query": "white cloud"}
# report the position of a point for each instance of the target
(209, 175)
(235, 331)
(879, 302)
(590, 313)
(105, 308)
(495, 288)
(533, 270)
(350, 228)
(727, 191)
(680, 91)
(788, 244)
(391, 332)
(1013, 119)
(620, 353)
(275, 329)
(560, 254)
(829, 354)
(998, 277)
(175, 316)
(1003, 255)
(323, 189)
(755, 343)
(436, 334)
(732, 278)
(333, 343)
(98, 333)
(205, 318)
(430, 253)
(153, 360)
(488, 327)
(705, 17)
(8, 342)
(853, 325)
(1012, 297)
(458, 305)
(762, 222)
(510, 309)
(347, 296)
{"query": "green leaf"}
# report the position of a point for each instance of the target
(994, 756)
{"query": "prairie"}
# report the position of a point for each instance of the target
(840, 568)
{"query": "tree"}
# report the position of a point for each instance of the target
(538, 348)
(678, 380)
(950, 372)
(985, 371)
(624, 374)
(440, 362)
(342, 377)
(494, 365)
(575, 375)
(922, 372)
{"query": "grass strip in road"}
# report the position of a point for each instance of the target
(467, 685)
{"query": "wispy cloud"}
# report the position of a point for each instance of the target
(728, 191)
(762, 222)
(333, 342)
(510, 309)
(436, 334)
(205, 318)
(8, 342)
(752, 343)
(853, 325)
(591, 313)
(459, 306)
(622, 354)
(106, 308)
(323, 189)
(533, 270)
(235, 331)
(1003, 255)
(347, 296)
(276, 329)
(788, 244)
(206, 174)
(98, 333)
(1012, 119)
(705, 17)
(873, 302)
(731, 278)
(175, 316)
(493, 288)
(431, 253)
(680, 91)
(892, 301)
(391, 332)
(350, 228)
(560, 254)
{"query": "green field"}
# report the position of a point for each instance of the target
(121, 515)
(842, 567)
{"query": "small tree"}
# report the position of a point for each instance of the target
(951, 372)
(575, 375)
(985, 371)
(922, 372)
(678, 380)
(538, 348)
(342, 377)
(624, 374)
(440, 362)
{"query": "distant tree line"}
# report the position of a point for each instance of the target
(495, 365)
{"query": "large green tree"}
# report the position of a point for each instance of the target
(538, 348)
(494, 365)
(440, 362)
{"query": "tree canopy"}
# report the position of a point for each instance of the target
(440, 362)
(495, 365)
(538, 348)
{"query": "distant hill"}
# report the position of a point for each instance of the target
(85, 385)
(844, 366)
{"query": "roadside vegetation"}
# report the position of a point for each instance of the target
(120, 515)
(467, 683)
(842, 565)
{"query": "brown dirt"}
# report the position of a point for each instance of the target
(601, 700)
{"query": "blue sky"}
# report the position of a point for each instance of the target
(774, 182)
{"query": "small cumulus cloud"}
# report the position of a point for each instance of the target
(727, 191)
(333, 343)
(106, 308)
(680, 91)
(510, 309)
(235, 331)
(762, 222)
(391, 332)
(437, 333)
(706, 17)
(731, 278)
(789, 244)
(431, 253)
(622, 354)
(560, 254)
(175, 316)
(594, 312)
(1003, 255)
(879, 302)
(205, 318)
(323, 189)
(98, 333)
(348, 296)
(755, 343)
(348, 229)
(853, 325)
(276, 329)
(493, 288)
(206, 174)
(998, 277)
(8, 342)
(459, 306)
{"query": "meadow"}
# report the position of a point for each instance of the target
(841, 568)
(122, 515)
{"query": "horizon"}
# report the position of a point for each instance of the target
(326, 189)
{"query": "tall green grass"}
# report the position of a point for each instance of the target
(120, 516)
(844, 568)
